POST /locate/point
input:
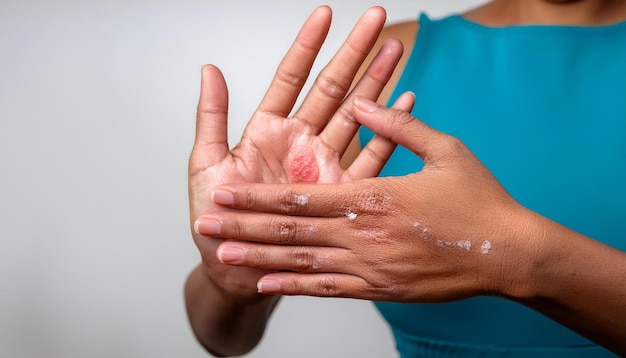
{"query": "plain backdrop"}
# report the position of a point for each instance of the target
(97, 107)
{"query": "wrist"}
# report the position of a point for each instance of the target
(526, 255)
(225, 324)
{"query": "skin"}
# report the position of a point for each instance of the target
(526, 261)
(226, 313)
(460, 235)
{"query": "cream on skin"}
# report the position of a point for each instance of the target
(242, 322)
(350, 215)
(301, 199)
(485, 247)
(466, 245)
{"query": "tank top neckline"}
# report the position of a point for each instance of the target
(462, 21)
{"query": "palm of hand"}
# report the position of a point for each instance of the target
(298, 156)
(275, 148)
(260, 158)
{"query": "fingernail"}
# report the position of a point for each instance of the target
(204, 226)
(365, 105)
(223, 197)
(231, 255)
(268, 286)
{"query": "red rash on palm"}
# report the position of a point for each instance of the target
(303, 168)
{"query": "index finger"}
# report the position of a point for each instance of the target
(351, 200)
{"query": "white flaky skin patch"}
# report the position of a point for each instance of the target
(485, 247)
(423, 231)
(301, 199)
(464, 244)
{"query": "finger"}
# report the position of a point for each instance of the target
(354, 201)
(211, 142)
(315, 284)
(294, 69)
(271, 229)
(334, 81)
(401, 127)
(342, 127)
(375, 154)
(292, 258)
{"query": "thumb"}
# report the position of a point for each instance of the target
(211, 143)
(398, 126)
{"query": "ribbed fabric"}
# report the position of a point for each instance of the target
(544, 108)
(411, 346)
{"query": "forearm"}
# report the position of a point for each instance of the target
(576, 281)
(223, 326)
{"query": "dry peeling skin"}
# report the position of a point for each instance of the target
(303, 167)
(424, 232)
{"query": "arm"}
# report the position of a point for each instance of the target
(222, 324)
(573, 279)
(225, 311)
(446, 233)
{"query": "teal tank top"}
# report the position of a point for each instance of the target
(544, 108)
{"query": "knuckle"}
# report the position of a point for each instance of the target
(384, 290)
(205, 108)
(259, 258)
(400, 119)
(377, 236)
(355, 49)
(330, 87)
(373, 155)
(249, 199)
(286, 232)
(290, 78)
(303, 258)
(233, 229)
(452, 145)
(388, 287)
(383, 285)
(289, 203)
(327, 286)
(346, 115)
(372, 201)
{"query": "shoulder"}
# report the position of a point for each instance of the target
(401, 30)
(406, 32)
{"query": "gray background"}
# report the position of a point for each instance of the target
(97, 106)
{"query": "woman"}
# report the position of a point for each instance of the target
(533, 103)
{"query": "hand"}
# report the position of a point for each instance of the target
(437, 235)
(276, 148)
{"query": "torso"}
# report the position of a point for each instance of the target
(559, 151)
